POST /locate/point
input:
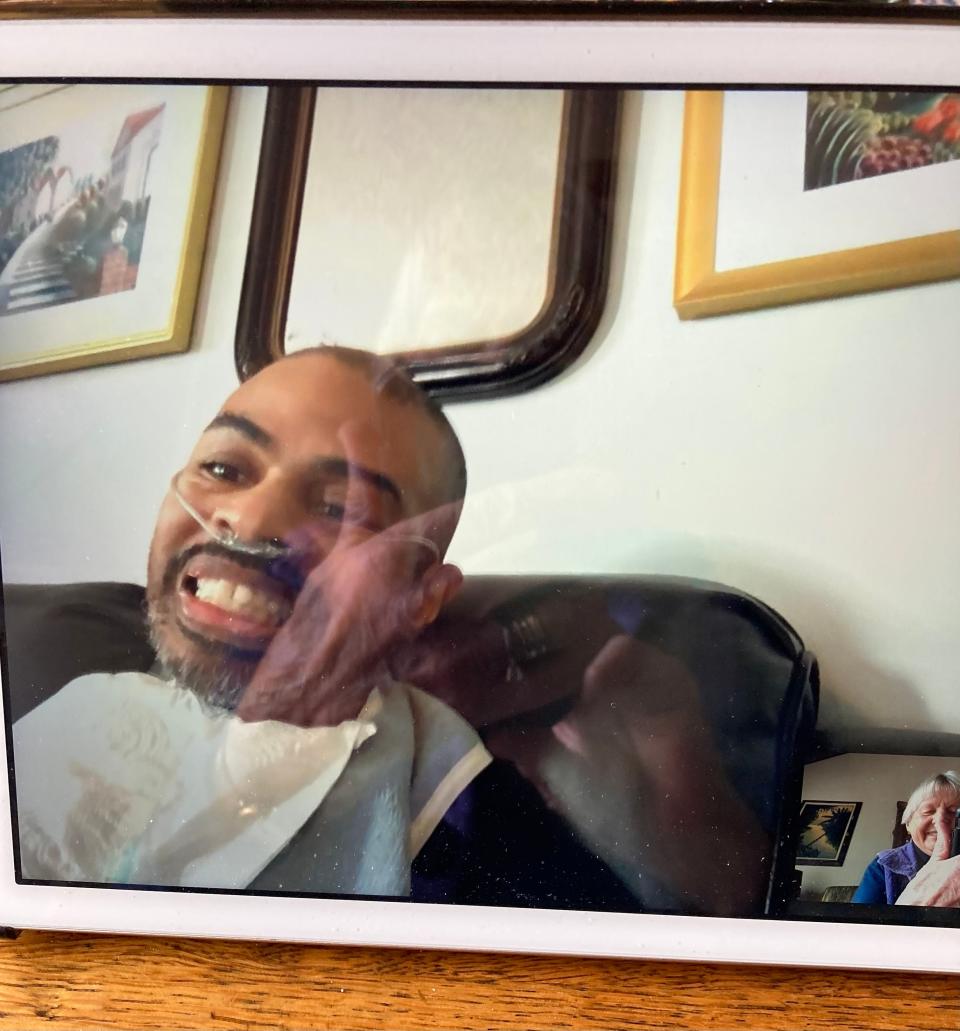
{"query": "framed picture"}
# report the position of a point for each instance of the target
(105, 195)
(850, 192)
(825, 832)
(489, 263)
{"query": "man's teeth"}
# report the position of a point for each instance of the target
(241, 599)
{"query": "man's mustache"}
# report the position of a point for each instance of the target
(284, 569)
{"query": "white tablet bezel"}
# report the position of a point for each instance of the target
(633, 52)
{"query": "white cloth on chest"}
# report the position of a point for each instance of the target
(126, 778)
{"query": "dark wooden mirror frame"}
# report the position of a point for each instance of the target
(579, 259)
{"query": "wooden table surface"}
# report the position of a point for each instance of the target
(83, 981)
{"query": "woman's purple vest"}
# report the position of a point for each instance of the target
(900, 866)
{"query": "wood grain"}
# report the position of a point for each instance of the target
(83, 981)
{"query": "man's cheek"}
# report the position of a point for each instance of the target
(170, 530)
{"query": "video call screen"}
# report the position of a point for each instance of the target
(493, 496)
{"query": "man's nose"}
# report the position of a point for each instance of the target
(264, 512)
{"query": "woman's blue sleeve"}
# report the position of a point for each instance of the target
(872, 889)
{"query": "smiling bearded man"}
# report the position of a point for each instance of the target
(300, 544)
(323, 493)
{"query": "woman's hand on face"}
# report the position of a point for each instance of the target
(938, 882)
(374, 588)
(358, 603)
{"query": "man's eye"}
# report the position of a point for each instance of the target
(355, 515)
(222, 471)
(332, 510)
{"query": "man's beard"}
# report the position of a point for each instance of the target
(215, 672)
(217, 679)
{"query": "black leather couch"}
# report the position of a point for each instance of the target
(757, 684)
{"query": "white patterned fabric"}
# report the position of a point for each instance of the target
(126, 778)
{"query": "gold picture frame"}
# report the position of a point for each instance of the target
(700, 290)
(41, 348)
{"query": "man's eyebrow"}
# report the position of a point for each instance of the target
(242, 424)
(342, 468)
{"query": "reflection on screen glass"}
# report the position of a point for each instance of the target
(670, 632)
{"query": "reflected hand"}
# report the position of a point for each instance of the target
(938, 882)
(637, 728)
(367, 593)
(632, 698)
(466, 663)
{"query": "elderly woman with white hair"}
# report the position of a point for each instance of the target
(921, 872)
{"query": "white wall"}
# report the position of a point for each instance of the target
(879, 782)
(806, 454)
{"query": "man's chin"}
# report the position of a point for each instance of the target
(221, 687)
(217, 672)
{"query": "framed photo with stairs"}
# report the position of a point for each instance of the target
(105, 196)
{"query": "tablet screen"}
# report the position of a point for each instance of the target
(482, 495)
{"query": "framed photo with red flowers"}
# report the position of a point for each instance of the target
(852, 191)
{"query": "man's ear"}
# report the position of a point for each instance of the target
(439, 585)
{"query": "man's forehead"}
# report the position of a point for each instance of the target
(319, 407)
(282, 421)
